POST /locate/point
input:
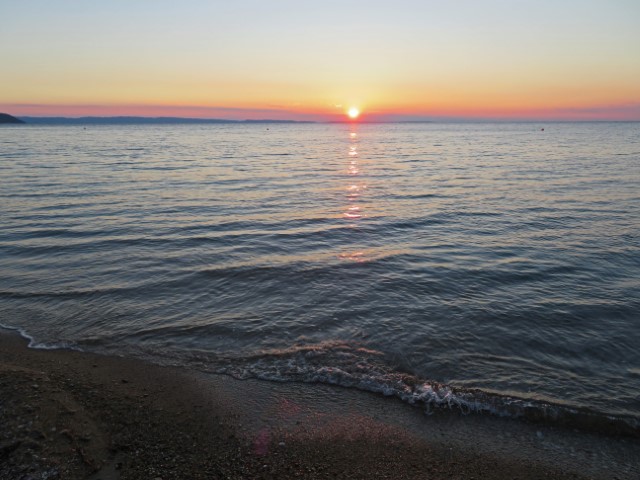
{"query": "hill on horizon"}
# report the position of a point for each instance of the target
(6, 118)
(123, 120)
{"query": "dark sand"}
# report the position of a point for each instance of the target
(72, 415)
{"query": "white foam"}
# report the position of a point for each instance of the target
(344, 365)
(40, 345)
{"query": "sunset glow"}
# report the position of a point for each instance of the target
(408, 61)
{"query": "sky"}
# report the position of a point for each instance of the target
(313, 60)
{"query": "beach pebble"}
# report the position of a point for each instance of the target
(9, 447)
(281, 444)
(52, 474)
(539, 434)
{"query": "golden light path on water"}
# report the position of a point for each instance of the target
(353, 211)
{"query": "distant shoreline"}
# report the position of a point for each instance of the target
(135, 120)
(126, 120)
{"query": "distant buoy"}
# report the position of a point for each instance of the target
(542, 129)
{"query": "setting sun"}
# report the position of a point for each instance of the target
(353, 113)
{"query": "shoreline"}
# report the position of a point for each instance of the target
(69, 414)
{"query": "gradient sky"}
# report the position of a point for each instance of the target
(394, 60)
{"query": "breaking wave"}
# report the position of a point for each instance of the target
(354, 366)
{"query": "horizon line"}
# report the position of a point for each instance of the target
(628, 111)
(442, 119)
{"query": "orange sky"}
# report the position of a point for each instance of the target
(402, 60)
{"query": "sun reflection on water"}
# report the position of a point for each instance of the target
(354, 211)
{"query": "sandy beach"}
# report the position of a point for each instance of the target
(73, 415)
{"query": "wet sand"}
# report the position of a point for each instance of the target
(73, 415)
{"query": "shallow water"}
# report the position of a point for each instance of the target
(497, 259)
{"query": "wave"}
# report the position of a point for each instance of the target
(356, 366)
(33, 343)
(351, 365)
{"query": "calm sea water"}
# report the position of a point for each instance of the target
(490, 266)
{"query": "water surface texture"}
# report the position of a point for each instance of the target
(490, 266)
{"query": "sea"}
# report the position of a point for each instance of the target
(482, 267)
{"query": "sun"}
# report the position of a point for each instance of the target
(353, 113)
